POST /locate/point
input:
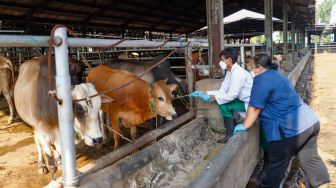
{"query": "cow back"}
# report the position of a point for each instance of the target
(33, 104)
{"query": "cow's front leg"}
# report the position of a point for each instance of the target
(50, 158)
(42, 168)
(133, 132)
(115, 126)
(10, 103)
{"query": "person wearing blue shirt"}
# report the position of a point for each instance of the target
(290, 126)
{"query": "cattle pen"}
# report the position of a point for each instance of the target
(183, 152)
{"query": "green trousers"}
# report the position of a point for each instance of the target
(227, 109)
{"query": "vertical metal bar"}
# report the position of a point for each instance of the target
(189, 73)
(70, 177)
(315, 47)
(268, 7)
(253, 51)
(285, 27)
(215, 34)
(242, 56)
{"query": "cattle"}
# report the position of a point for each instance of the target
(7, 84)
(134, 103)
(37, 109)
(161, 72)
(77, 71)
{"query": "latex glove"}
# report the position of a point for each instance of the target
(196, 94)
(206, 97)
(239, 128)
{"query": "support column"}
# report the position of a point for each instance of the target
(304, 38)
(285, 26)
(268, 11)
(309, 38)
(215, 34)
(292, 13)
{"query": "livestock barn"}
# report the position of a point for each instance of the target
(97, 93)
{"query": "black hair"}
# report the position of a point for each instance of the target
(265, 61)
(230, 53)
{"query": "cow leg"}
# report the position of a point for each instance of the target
(51, 162)
(102, 128)
(42, 169)
(57, 153)
(115, 126)
(133, 132)
(10, 103)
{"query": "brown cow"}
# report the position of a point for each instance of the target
(36, 108)
(135, 103)
(7, 84)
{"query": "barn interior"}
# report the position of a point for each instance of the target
(150, 20)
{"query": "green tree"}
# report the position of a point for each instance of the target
(323, 11)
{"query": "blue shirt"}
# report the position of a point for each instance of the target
(282, 108)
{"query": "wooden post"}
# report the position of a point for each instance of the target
(309, 38)
(292, 25)
(285, 27)
(215, 34)
(268, 11)
(189, 72)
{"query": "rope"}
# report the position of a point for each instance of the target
(111, 129)
(137, 78)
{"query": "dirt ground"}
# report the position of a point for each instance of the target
(324, 104)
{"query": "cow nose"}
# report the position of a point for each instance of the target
(97, 140)
(174, 116)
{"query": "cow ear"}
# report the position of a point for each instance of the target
(106, 99)
(172, 87)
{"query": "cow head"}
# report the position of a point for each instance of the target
(86, 114)
(162, 97)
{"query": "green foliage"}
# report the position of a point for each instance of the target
(323, 11)
(258, 39)
(324, 38)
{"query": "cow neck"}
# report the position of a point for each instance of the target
(151, 98)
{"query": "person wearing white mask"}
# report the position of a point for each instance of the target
(234, 93)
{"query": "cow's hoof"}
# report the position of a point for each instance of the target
(43, 170)
(53, 170)
(10, 120)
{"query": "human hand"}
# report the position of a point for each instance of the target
(239, 128)
(206, 97)
(196, 94)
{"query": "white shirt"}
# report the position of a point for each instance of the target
(237, 84)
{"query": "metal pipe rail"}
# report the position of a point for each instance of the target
(42, 41)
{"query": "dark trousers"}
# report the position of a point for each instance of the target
(304, 146)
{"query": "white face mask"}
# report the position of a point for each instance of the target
(222, 65)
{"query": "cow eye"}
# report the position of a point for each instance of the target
(160, 99)
(79, 109)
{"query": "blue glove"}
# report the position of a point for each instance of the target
(206, 98)
(196, 94)
(239, 128)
